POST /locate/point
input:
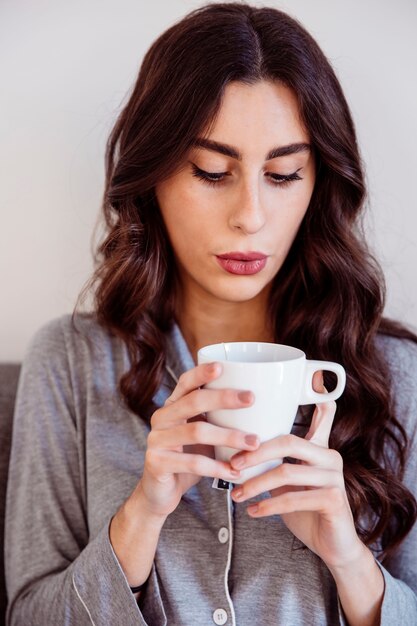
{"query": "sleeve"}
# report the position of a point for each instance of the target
(400, 568)
(399, 604)
(54, 573)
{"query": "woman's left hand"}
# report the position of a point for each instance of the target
(310, 495)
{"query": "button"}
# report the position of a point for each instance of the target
(223, 535)
(219, 616)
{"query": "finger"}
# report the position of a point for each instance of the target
(318, 382)
(199, 448)
(197, 402)
(288, 475)
(288, 446)
(163, 463)
(194, 378)
(202, 433)
(328, 501)
(322, 422)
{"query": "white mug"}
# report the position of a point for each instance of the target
(281, 379)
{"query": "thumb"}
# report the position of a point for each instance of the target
(323, 416)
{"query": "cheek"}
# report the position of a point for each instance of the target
(187, 222)
(172, 202)
(301, 200)
(285, 221)
(293, 209)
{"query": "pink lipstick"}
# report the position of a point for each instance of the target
(242, 263)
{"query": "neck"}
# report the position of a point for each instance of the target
(203, 322)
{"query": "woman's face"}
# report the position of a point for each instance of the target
(233, 208)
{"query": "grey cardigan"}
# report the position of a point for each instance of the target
(77, 454)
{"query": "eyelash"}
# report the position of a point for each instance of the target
(213, 179)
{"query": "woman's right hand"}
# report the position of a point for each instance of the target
(169, 469)
(180, 451)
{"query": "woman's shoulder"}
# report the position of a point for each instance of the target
(68, 329)
(74, 339)
(400, 354)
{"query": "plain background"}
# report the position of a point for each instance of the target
(66, 68)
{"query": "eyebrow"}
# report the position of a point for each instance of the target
(280, 151)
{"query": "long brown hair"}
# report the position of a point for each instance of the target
(328, 297)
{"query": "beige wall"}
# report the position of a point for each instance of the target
(65, 68)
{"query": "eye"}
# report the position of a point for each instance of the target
(217, 178)
(283, 180)
(211, 178)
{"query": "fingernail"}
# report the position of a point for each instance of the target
(245, 396)
(235, 473)
(251, 440)
(211, 368)
(253, 508)
(238, 461)
(237, 494)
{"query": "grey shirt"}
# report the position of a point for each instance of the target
(77, 454)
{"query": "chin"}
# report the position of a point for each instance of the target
(238, 292)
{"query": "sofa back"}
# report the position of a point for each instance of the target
(9, 375)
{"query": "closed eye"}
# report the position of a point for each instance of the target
(218, 178)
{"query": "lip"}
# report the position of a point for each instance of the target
(242, 263)
(243, 256)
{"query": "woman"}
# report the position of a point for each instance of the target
(234, 188)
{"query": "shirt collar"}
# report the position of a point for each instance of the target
(178, 358)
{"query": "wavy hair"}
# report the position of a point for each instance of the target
(327, 298)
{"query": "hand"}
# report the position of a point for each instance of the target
(180, 444)
(309, 495)
(179, 453)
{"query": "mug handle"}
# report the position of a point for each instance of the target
(308, 395)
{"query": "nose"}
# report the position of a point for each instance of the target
(247, 214)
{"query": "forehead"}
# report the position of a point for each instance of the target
(255, 115)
